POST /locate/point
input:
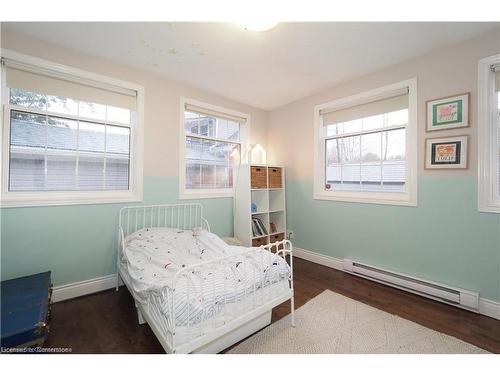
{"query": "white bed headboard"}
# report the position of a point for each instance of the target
(182, 216)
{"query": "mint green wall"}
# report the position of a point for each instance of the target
(78, 242)
(444, 239)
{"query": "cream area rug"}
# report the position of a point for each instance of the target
(332, 323)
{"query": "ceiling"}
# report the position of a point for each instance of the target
(265, 70)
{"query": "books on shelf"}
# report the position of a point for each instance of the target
(258, 227)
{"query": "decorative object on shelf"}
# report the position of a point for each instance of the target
(273, 227)
(254, 208)
(446, 153)
(257, 154)
(448, 113)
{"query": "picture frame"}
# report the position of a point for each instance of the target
(450, 112)
(446, 153)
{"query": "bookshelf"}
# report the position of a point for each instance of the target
(264, 187)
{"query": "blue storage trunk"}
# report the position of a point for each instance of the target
(25, 310)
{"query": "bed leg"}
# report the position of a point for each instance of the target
(140, 318)
(117, 281)
(292, 308)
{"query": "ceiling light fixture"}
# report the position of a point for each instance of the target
(259, 26)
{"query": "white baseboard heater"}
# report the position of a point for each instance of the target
(454, 296)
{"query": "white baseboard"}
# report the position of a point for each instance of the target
(489, 308)
(486, 307)
(324, 260)
(81, 288)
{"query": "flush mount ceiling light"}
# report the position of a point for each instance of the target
(258, 26)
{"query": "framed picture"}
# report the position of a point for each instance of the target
(448, 113)
(446, 153)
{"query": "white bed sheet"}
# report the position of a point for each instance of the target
(152, 257)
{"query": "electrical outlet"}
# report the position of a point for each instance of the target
(289, 234)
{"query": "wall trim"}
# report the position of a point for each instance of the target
(324, 260)
(82, 288)
(489, 308)
(486, 307)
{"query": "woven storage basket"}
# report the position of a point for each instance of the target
(276, 238)
(275, 178)
(256, 242)
(258, 177)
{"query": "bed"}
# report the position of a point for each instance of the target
(197, 293)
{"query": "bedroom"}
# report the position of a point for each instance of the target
(375, 168)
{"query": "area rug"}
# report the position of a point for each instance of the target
(332, 323)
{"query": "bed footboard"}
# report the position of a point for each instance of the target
(226, 307)
(185, 326)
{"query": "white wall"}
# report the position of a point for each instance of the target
(450, 71)
(161, 135)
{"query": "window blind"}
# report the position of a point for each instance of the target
(58, 84)
(393, 102)
(212, 113)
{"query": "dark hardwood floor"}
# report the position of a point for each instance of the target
(106, 322)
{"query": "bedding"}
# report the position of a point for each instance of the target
(153, 256)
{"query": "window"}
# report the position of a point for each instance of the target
(212, 143)
(489, 134)
(67, 141)
(366, 147)
(65, 151)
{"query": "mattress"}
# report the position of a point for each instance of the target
(152, 257)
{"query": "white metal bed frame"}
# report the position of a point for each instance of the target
(214, 337)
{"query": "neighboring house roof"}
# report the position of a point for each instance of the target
(33, 135)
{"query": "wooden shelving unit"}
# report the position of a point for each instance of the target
(263, 186)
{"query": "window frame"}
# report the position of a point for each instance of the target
(185, 193)
(56, 198)
(409, 197)
(487, 136)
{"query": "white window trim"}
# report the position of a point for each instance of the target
(487, 135)
(244, 136)
(409, 198)
(53, 198)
